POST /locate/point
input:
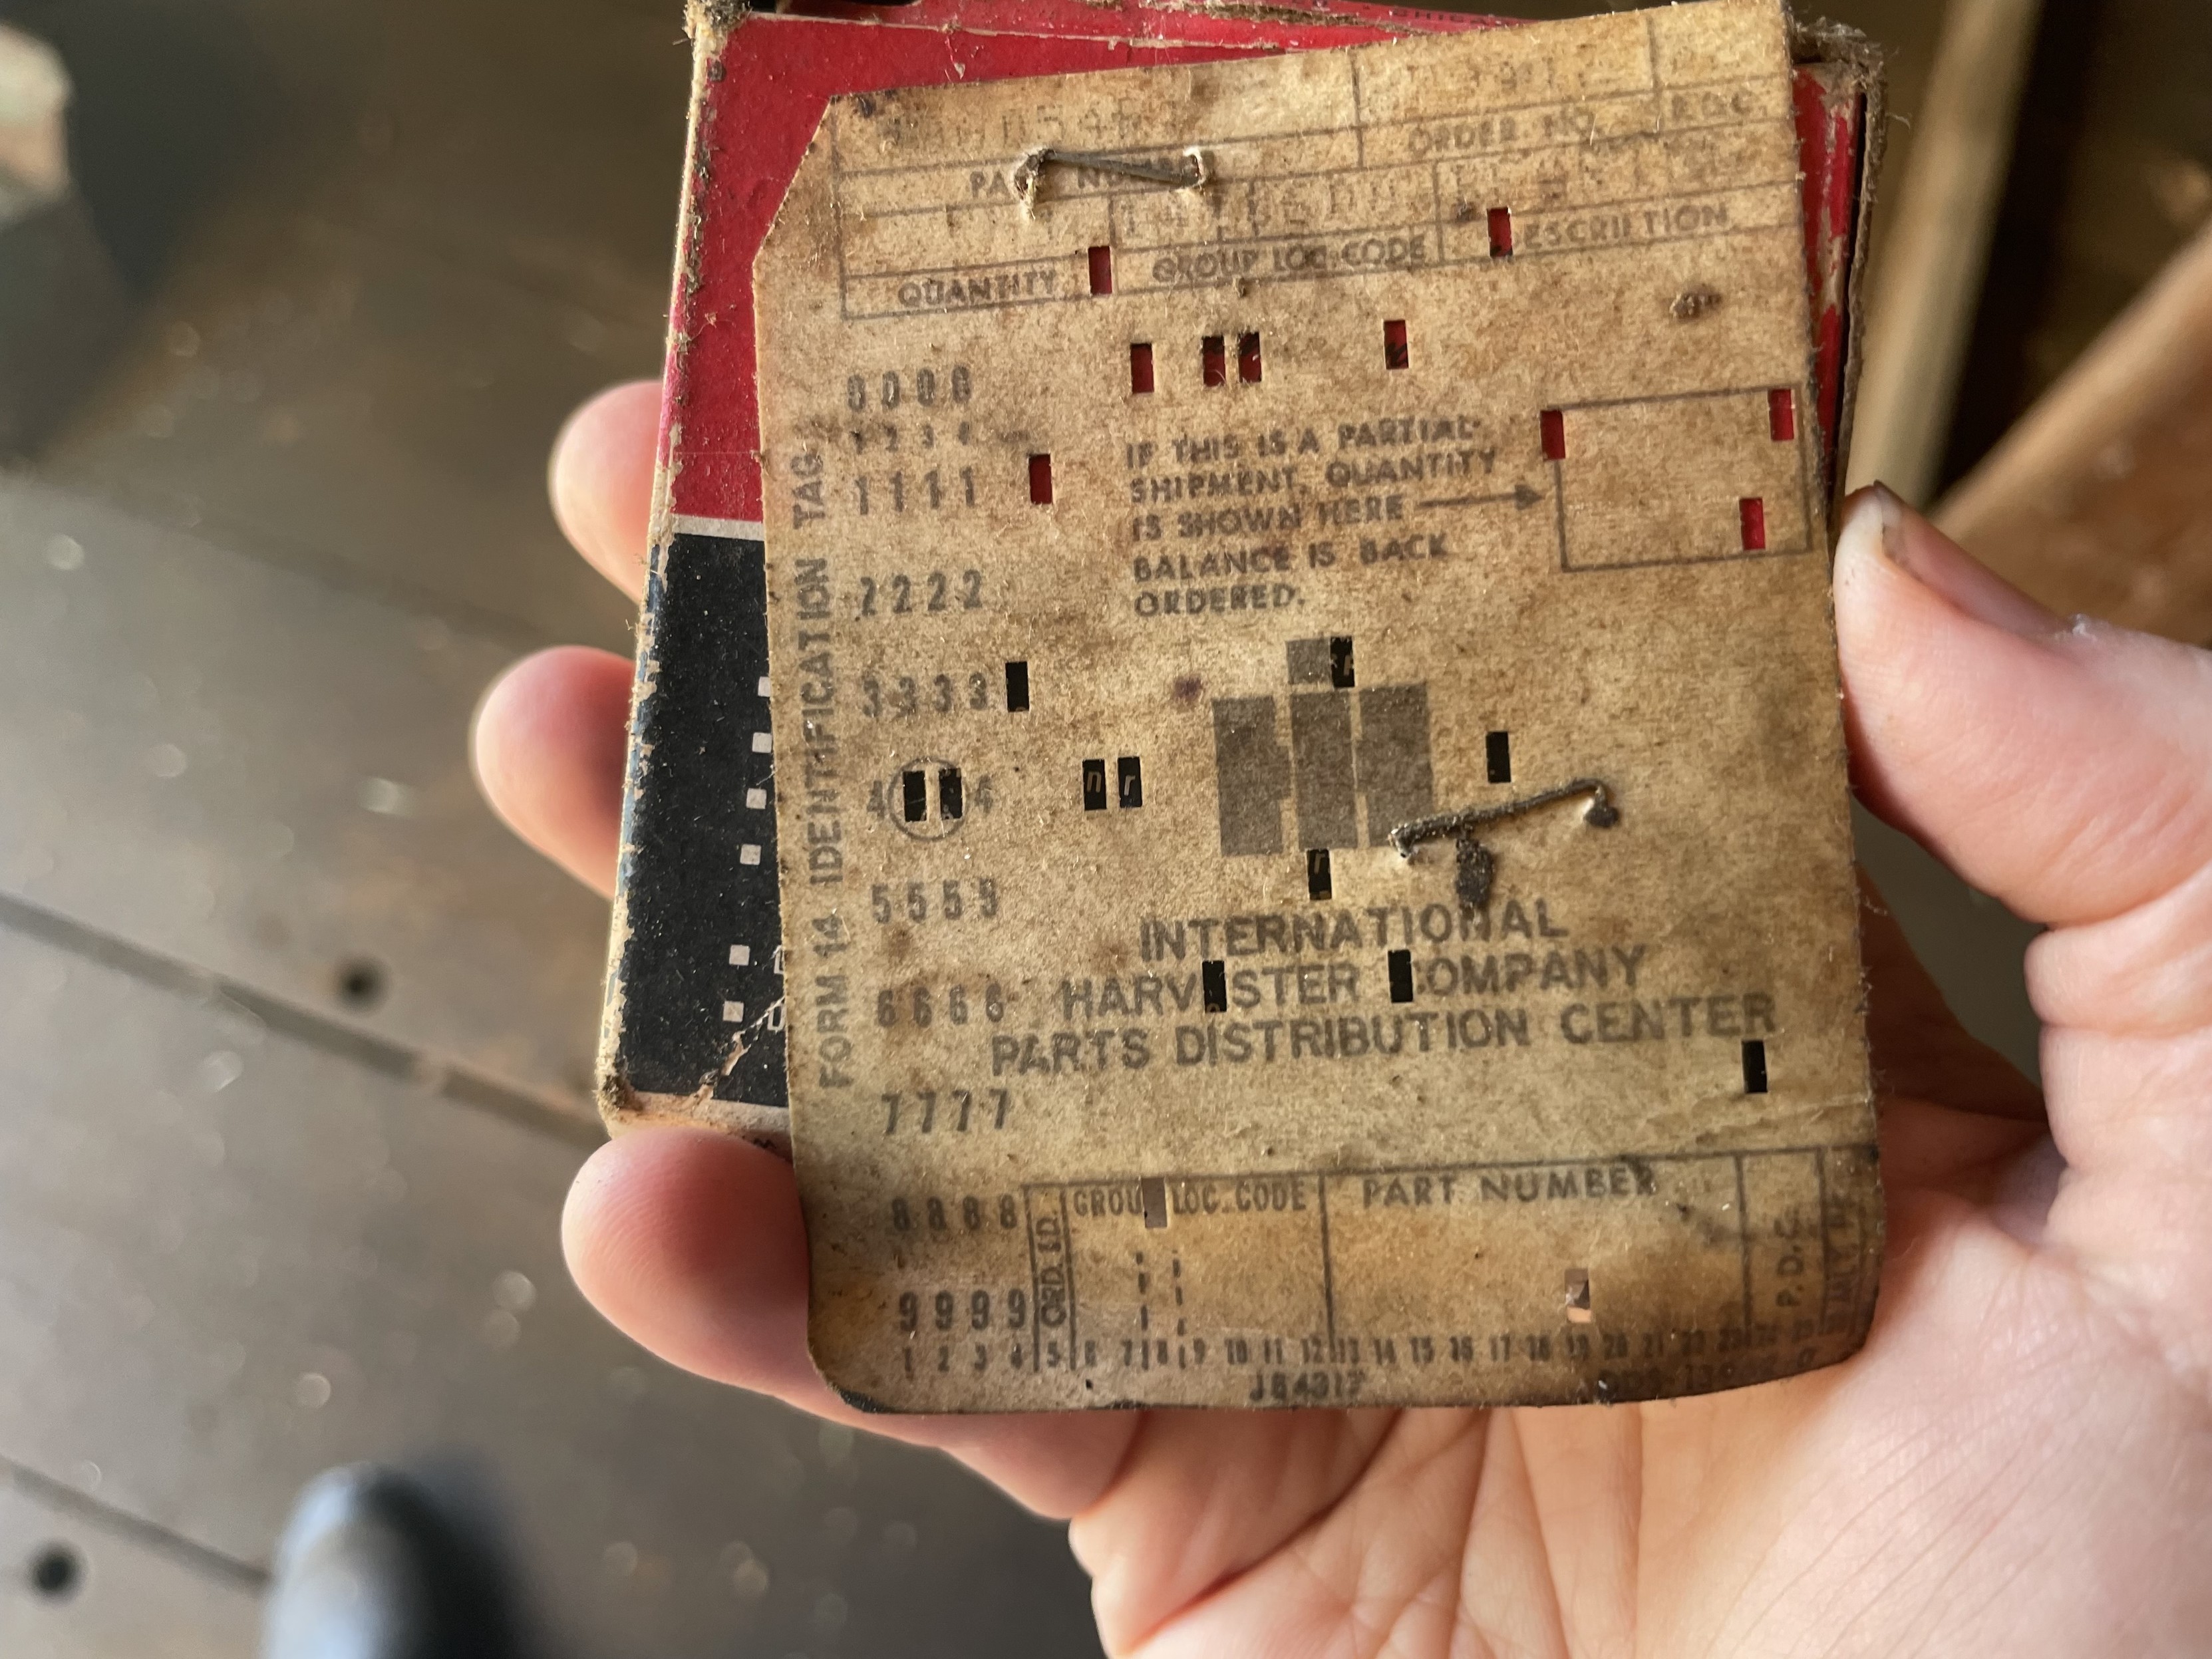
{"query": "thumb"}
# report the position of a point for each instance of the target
(2064, 767)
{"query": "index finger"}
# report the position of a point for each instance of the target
(600, 479)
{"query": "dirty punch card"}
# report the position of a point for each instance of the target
(1309, 779)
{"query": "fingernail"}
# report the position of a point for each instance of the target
(1935, 562)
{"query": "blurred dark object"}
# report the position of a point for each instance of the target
(61, 303)
(171, 102)
(367, 1567)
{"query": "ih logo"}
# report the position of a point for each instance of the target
(1344, 744)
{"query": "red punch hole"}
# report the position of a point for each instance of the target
(1753, 513)
(1555, 435)
(1247, 359)
(1395, 353)
(1102, 270)
(1212, 361)
(1501, 233)
(1782, 415)
(1041, 481)
(1140, 367)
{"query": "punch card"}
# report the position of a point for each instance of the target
(1309, 782)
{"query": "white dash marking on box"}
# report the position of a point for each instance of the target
(756, 798)
(741, 956)
(734, 1013)
(749, 852)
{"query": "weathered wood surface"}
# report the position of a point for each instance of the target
(2099, 501)
(229, 1258)
(77, 1582)
(1942, 209)
(389, 248)
(243, 768)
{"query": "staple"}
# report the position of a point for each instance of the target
(1477, 867)
(1028, 171)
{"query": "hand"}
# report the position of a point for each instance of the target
(2019, 1462)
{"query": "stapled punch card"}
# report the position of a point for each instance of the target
(1307, 776)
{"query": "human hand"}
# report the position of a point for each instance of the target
(2019, 1462)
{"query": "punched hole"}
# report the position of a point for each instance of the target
(1129, 780)
(1247, 359)
(1340, 661)
(1094, 786)
(1501, 233)
(1402, 975)
(1394, 352)
(1497, 755)
(1555, 435)
(1152, 1193)
(952, 798)
(1213, 986)
(1040, 481)
(1319, 883)
(1578, 1296)
(1754, 1067)
(56, 1571)
(1212, 361)
(1017, 688)
(1102, 270)
(1753, 511)
(1782, 415)
(1140, 367)
(914, 796)
(361, 983)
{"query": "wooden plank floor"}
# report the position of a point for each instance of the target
(230, 1256)
(93, 1581)
(243, 767)
(292, 1039)
(422, 231)
(296, 1039)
